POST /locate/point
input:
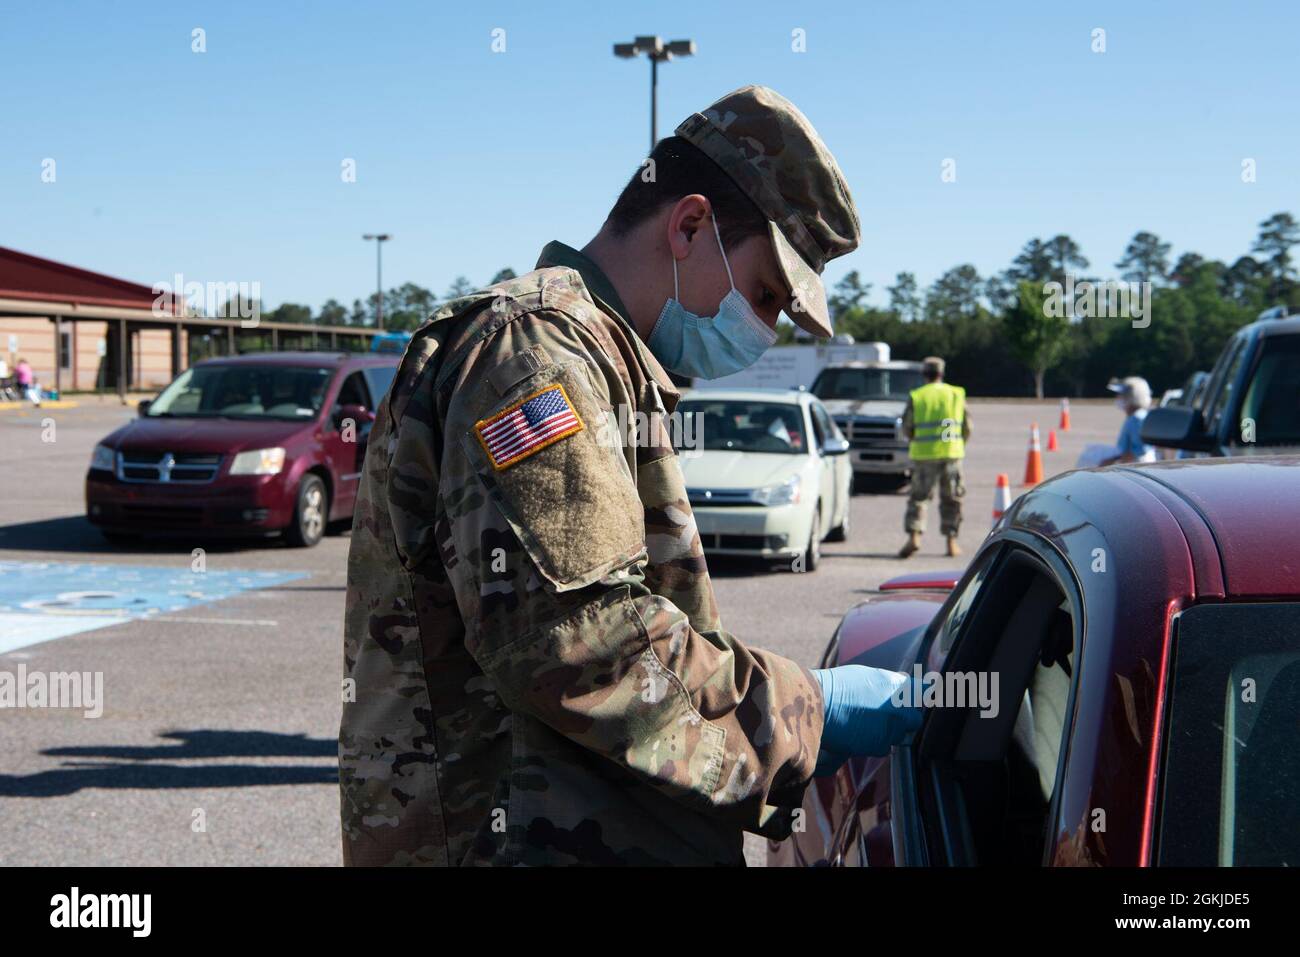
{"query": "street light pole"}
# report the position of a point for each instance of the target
(658, 52)
(380, 239)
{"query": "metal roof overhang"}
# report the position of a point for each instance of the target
(73, 311)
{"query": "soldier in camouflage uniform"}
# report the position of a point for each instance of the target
(537, 672)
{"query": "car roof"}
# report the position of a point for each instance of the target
(298, 358)
(1289, 326)
(1252, 507)
(790, 396)
(1244, 510)
(867, 364)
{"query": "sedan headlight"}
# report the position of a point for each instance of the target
(103, 458)
(787, 493)
(258, 462)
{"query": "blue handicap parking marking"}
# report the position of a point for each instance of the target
(41, 601)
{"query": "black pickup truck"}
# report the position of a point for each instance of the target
(1250, 404)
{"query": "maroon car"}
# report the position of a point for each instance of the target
(1115, 680)
(254, 444)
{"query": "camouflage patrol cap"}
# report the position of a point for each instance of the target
(776, 157)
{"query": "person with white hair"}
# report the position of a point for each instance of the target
(1134, 397)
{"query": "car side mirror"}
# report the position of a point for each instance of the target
(143, 407)
(357, 413)
(1177, 427)
(835, 446)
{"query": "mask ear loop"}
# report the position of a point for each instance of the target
(723, 251)
(676, 292)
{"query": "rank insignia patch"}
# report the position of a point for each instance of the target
(528, 426)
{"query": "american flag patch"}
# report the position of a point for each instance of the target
(528, 426)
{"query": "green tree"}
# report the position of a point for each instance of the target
(289, 312)
(1245, 282)
(1064, 257)
(333, 313)
(502, 275)
(461, 286)
(407, 306)
(1036, 337)
(1277, 235)
(1145, 260)
(955, 295)
(905, 298)
(848, 293)
(1185, 269)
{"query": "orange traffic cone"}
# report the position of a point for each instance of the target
(1034, 463)
(1065, 416)
(1001, 497)
(1051, 440)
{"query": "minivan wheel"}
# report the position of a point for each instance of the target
(309, 514)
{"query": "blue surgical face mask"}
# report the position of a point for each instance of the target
(710, 347)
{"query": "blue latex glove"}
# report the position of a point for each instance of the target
(861, 718)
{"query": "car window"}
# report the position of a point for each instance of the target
(825, 427)
(856, 383)
(991, 759)
(1230, 779)
(1219, 396)
(951, 624)
(1270, 411)
(379, 378)
(244, 392)
(742, 426)
(820, 432)
(353, 391)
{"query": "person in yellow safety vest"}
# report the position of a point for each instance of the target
(937, 426)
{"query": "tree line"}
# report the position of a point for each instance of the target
(405, 306)
(996, 332)
(1000, 338)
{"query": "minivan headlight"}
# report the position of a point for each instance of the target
(103, 458)
(258, 462)
(787, 493)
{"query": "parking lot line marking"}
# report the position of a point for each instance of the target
(21, 630)
(42, 601)
(260, 622)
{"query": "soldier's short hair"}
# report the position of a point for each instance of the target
(678, 169)
(932, 367)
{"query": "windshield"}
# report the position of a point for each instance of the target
(244, 392)
(866, 383)
(1231, 776)
(746, 426)
(1272, 404)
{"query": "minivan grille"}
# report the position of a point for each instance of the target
(187, 468)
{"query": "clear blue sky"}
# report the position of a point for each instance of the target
(225, 166)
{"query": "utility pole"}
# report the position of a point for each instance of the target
(658, 52)
(380, 239)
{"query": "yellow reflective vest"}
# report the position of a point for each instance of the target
(938, 410)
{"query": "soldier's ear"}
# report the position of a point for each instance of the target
(687, 221)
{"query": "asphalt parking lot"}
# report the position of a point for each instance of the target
(216, 744)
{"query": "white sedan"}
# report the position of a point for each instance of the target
(767, 473)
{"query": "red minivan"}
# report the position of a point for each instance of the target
(257, 444)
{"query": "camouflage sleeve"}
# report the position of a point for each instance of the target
(545, 546)
(965, 423)
(906, 426)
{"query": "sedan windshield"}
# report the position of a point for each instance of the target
(244, 392)
(736, 426)
(866, 383)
